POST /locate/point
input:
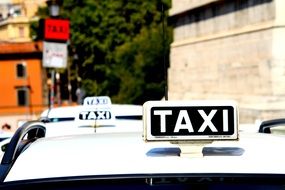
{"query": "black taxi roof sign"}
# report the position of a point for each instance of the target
(190, 120)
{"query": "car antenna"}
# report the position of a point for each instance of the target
(164, 53)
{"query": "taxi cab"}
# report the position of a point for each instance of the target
(81, 119)
(70, 113)
(184, 145)
(97, 114)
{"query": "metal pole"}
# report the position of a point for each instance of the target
(164, 53)
(58, 94)
(52, 89)
(69, 83)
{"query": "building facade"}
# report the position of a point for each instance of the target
(21, 85)
(230, 49)
(15, 19)
(22, 78)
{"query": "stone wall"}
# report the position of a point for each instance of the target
(222, 18)
(184, 5)
(220, 66)
(232, 55)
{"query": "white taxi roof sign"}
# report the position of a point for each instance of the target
(190, 120)
(96, 116)
(96, 111)
(97, 100)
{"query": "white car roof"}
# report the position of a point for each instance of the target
(128, 118)
(76, 127)
(127, 153)
(73, 111)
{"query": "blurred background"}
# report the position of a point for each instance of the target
(55, 52)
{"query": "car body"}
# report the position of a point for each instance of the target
(126, 118)
(128, 154)
(5, 138)
(126, 160)
(70, 113)
(3, 146)
(5, 135)
(75, 127)
(63, 121)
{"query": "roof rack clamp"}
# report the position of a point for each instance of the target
(192, 149)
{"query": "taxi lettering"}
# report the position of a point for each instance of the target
(190, 120)
(57, 29)
(183, 121)
(99, 100)
(95, 115)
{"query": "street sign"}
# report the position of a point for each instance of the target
(56, 29)
(54, 55)
(190, 120)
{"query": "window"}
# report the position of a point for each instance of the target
(241, 4)
(21, 70)
(22, 96)
(15, 11)
(21, 31)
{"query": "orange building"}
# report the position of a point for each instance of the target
(22, 79)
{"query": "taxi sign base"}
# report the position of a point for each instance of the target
(191, 149)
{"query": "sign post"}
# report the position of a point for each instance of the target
(55, 53)
(52, 89)
(190, 122)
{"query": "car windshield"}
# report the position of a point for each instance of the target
(105, 90)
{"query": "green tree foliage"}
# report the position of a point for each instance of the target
(140, 65)
(120, 47)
